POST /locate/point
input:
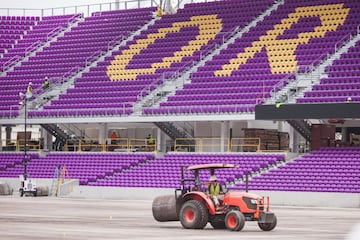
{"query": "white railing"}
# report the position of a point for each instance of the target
(86, 10)
(56, 82)
(73, 19)
(54, 32)
(342, 42)
(198, 109)
(17, 58)
(125, 109)
(115, 41)
(281, 84)
(14, 110)
(89, 9)
(10, 62)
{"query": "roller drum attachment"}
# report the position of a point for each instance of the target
(164, 208)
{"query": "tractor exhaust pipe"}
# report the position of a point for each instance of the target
(247, 182)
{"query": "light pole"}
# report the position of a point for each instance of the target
(23, 101)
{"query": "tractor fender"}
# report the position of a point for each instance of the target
(201, 197)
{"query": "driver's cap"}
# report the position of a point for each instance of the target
(212, 178)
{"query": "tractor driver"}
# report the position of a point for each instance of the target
(214, 190)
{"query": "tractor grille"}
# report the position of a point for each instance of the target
(249, 204)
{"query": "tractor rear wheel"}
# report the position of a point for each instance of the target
(268, 226)
(193, 215)
(235, 220)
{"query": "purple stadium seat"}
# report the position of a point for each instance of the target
(325, 170)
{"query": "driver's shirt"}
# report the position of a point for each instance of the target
(214, 189)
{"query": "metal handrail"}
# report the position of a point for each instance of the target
(31, 48)
(54, 32)
(231, 33)
(93, 57)
(115, 41)
(187, 127)
(9, 62)
(281, 83)
(74, 18)
(16, 58)
(342, 41)
(100, 144)
(57, 81)
(309, 68)
(14, 109)
(227, 144)
(100, 52)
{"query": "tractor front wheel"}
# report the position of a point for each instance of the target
(268, 226)
(193, 215)
(234, 220)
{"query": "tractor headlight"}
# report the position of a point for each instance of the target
(253, 201)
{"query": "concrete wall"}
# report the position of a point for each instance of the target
(67, 187)
(14, 183)
(313, 199)
(118, 193)
(304, 199)
(308, 199)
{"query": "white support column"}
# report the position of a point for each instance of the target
(293, 144)
(159, 139)
(224, 134)
(1, 137)
(343, 134)
(295, 139)
(280, 126)
(8, 131)
(103, 129)
(47, 139)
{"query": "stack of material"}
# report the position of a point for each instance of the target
(253, 133)
(284, 140)
(270, 139)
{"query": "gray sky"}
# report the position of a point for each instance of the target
(48, 3)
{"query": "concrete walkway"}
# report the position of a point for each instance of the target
(69, 218)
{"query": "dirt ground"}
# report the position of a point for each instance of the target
(57, 218)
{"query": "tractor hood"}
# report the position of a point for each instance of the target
(245, 201)
(240, 195)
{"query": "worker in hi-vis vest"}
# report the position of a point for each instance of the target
(214, 190)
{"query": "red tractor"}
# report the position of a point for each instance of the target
(194, 207)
